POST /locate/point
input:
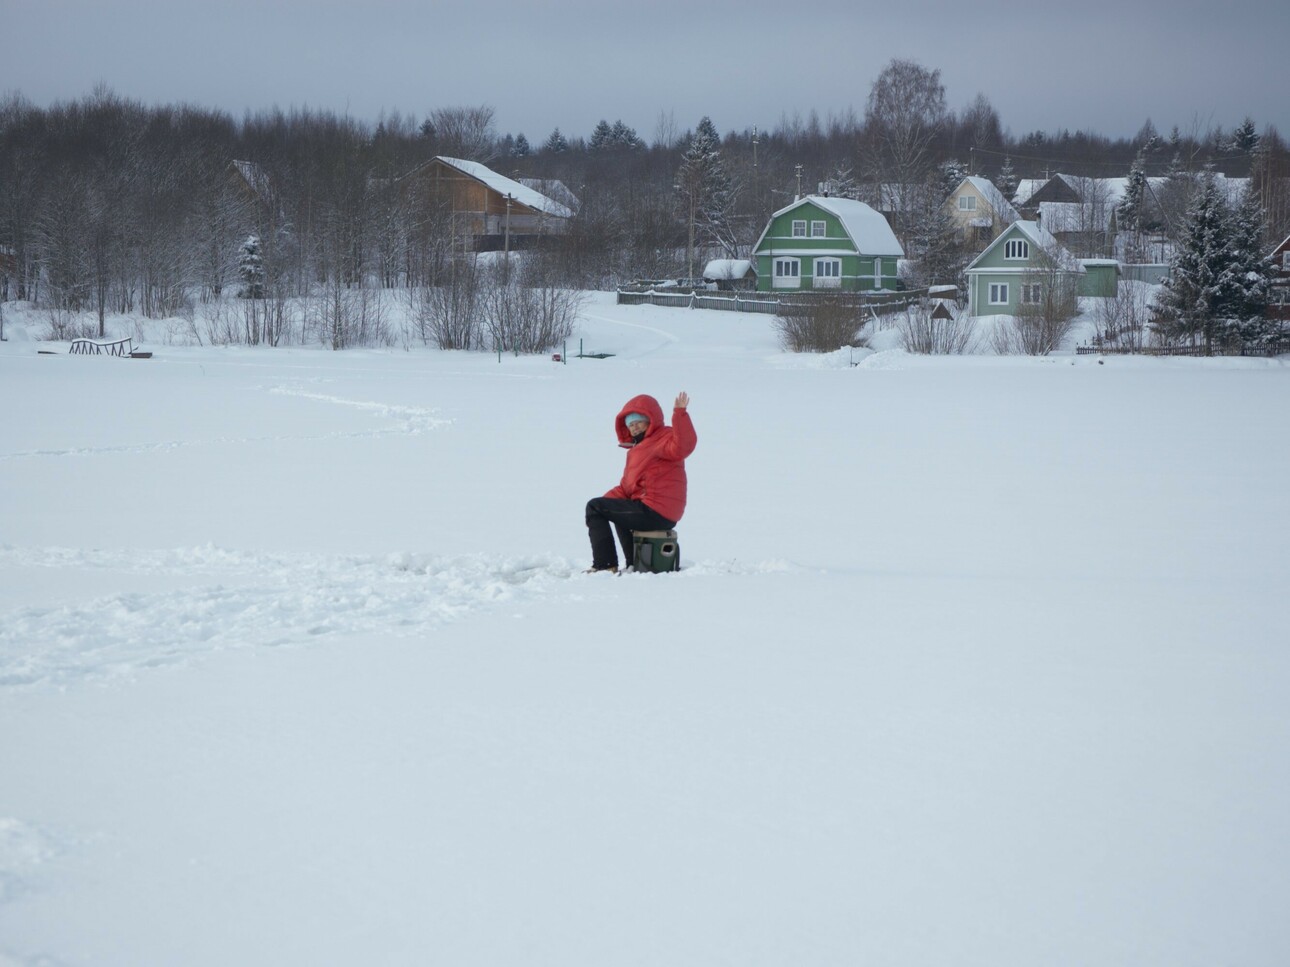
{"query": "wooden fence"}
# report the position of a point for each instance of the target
(875, 304)
(1174, 351)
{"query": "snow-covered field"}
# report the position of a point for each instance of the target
(975, 661)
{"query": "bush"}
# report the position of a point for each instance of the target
(820, 326)
(1039, 327)
(921, 332)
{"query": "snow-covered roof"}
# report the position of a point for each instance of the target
(555, 189)
(1042, 239)
(987, 190)
(727, 269)
(867, 229)
(1073, 216)
(508, 186)
(256, 178)
(1027, 187)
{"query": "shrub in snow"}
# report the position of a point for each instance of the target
(924, 331)
(1121, 320)
(1042, 322)
(820, 326)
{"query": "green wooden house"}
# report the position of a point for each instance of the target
(1013, 270)
(820, 243)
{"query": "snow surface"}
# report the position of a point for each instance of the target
(974, 661)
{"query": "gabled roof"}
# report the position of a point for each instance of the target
(866, 228)
(1283, 247)
(1041, 239)
(987, 190)
(506, 186)
(256, 178)
(1075, 216)
(1027, 187)
(555, 189)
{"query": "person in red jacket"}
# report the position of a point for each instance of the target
(651, 495)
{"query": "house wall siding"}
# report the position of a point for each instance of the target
(857, 268)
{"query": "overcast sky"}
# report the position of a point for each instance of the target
(1093, 65)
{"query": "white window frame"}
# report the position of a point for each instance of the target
(787, 273)
(877, 272)
(818, 228)
(799, 228)
(998, 293)
(967, 203)
(1032, 293)
(1016, 249)
(1285, 261)
(828, 273)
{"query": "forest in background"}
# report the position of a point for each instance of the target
(113, 205)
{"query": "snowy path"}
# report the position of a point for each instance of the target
(241, 599)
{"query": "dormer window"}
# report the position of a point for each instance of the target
(1016, 248)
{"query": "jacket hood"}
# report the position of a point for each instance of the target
(638, 404)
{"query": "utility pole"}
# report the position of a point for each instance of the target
(507, 242)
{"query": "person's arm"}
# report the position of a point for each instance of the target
(684, 439)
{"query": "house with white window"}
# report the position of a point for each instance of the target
(1015, 269)
(823, 243)
(979, 211)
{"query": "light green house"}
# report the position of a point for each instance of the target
(1016, 268)
(1101, 278)
(820, 243)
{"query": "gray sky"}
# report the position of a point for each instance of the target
(1093, 65)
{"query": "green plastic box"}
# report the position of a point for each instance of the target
(656, 551)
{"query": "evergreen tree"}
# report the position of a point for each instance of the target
(707, 192)
(1130, 210)
(1245, 138)
(602, 137)
(520, 149)
(250, 268)
(952, 173)
(841, 183)
(1248, 274)
(556, 143)
(1193, 302)
(1007, 182)
(623, 136)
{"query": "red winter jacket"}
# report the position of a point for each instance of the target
(655, 471)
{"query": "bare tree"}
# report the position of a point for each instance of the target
(1120, 320)
(465, 132)
(1048, 306)
(906, 109)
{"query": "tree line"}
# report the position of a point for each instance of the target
(108, 205)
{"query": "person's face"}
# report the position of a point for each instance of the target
(637, 428)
